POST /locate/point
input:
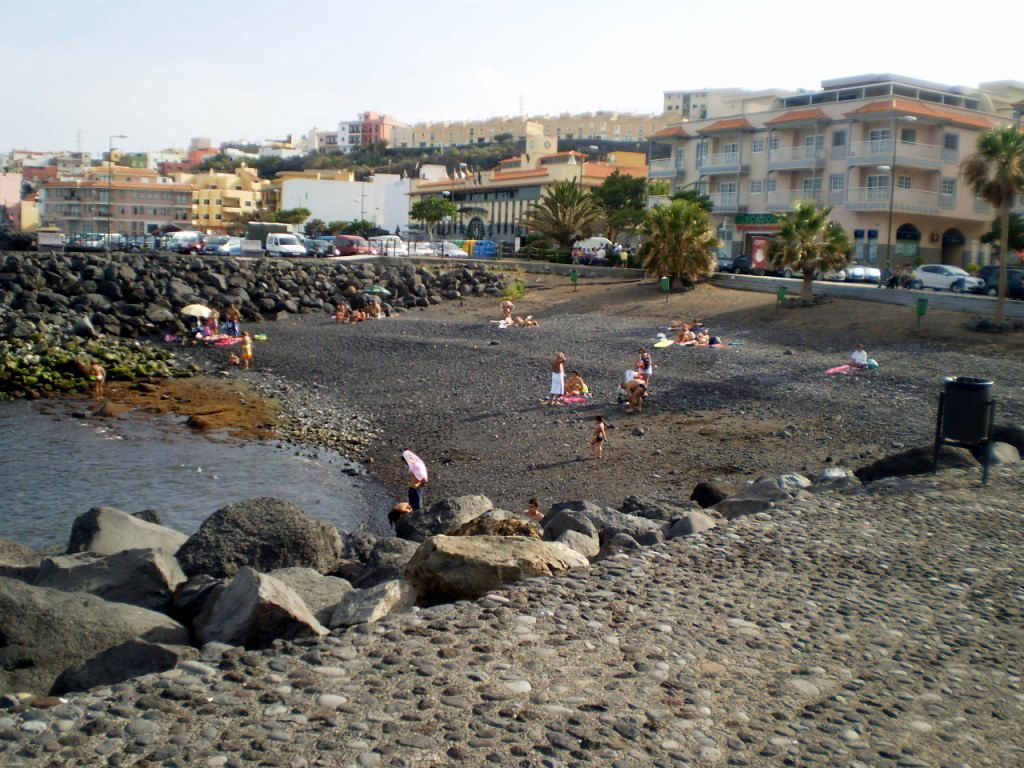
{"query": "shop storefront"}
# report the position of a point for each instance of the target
(753, 229)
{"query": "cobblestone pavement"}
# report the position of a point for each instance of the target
(877, 628)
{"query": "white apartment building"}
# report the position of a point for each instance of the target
(383, 199)
(884, 151)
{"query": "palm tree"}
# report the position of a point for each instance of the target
(679, 241)
(566, 213)
(808, 241)
(996, 173)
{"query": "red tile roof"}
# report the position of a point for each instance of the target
(923, 109)
(799, 116)
(669, 132)
(604, 170)
(729, 124)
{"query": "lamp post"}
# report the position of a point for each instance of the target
(110, 183)
(889, 237)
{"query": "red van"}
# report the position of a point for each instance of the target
(352, 245)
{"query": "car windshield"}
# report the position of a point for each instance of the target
(216, 240)
(287, 240)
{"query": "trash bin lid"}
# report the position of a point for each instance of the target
(967, 382)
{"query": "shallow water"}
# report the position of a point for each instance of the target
(54, 467)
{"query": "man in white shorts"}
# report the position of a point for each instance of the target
(557, 377)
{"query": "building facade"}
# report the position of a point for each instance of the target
(127, 200)
(866, 146)
(492, 203)
(608, 126)
(219, 200)
(367, 128)
(335, 195)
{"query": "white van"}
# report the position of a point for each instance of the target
(284, 244)
(388, 245)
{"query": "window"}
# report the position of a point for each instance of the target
(908, 135)
(878, 187)
(771, 184)
(757, 146)
(951, 141)
(948, 187)
(755, 186)
(837, 182)
(773, 143)
(903, 182)
(838, 138)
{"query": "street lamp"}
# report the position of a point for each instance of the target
(892, 187)
(110, 182)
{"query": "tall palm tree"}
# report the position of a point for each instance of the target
(679, 241)
(566, 212)
(996, 173)
(808, 241)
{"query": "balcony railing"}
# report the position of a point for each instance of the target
(725, 201)
(981, 206)
(721, 162)
(667, 168)
(907, 154)
(784, 199)
(907, 200)
(795, 157)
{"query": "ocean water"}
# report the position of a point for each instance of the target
(54, 467)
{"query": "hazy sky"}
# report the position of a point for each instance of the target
(162, 72)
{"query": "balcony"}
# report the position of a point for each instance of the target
(906, 200)
(667, 168)
(784, 199)
(722, 163)
(908, 155)
(653, 200)
(981, 206)
(795, 158)
(725, 202)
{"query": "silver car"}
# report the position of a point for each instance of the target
(862, 273)
(943, 277)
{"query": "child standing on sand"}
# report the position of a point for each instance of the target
(246, 350)
(98, 377)
(600, 438)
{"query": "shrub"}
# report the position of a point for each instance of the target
(515, 289)
(973, 268)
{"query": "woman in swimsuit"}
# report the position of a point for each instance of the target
(600, 438)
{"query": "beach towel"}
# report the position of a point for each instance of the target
(228, 341)
(839, 369)
(573, 399)
(663, 343)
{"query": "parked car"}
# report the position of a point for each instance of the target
(725, 262)
(448, 249)
(744, 265)
(86, 242)
(213, 242)
(862, 273)
(284, 244)
(1014, 282)
(318, 247)
(943, 277)
(352, 245)
(226, 246)
(185, 241)
(389, 245)
(834, 275)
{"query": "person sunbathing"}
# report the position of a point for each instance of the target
(357, 317)
(528, 322)
(703, 339)
(341, 314)
(686, 337)
(374, 310)
(575, 386)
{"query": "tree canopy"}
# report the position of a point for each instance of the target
(291, 215)
(565, 213)
(995, 172)
(679, 241)
(995, 235)
(622, 199)
(431, 210)
(695, 196)
(808, 241)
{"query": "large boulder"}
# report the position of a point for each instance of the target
(143, 577)
(689, 524)
(654, 508)
(122, 662)
(355, 552)
(320, 593)
(607, 522)
(1003, 453)
(106, 531)
(18, 561)
(497, 522)
(916, 461)
(588, 546)
(264, 534)
(755, 496)
(466, 567)
(707, 494)
(195, 597)
(385, 562)
(442, 516)
(1010, 433)
(254, 610)
(365, 606)
(44, 631)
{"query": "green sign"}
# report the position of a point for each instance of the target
(756, 220)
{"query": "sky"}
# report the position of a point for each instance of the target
(162, 72)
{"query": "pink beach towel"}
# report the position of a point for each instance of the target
(573, 399)
(839, 369)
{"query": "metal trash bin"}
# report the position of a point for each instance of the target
(966, 417)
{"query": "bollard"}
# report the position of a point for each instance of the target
(665, 285)
(921, 309)
(575, 277)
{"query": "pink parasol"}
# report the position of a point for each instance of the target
(416, 465)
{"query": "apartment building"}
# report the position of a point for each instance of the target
(335, 195)
(865, 145)
(491, 203)
(709, 103)
(132, 201)
(367, 128)
(221, 199)
(608, 126)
